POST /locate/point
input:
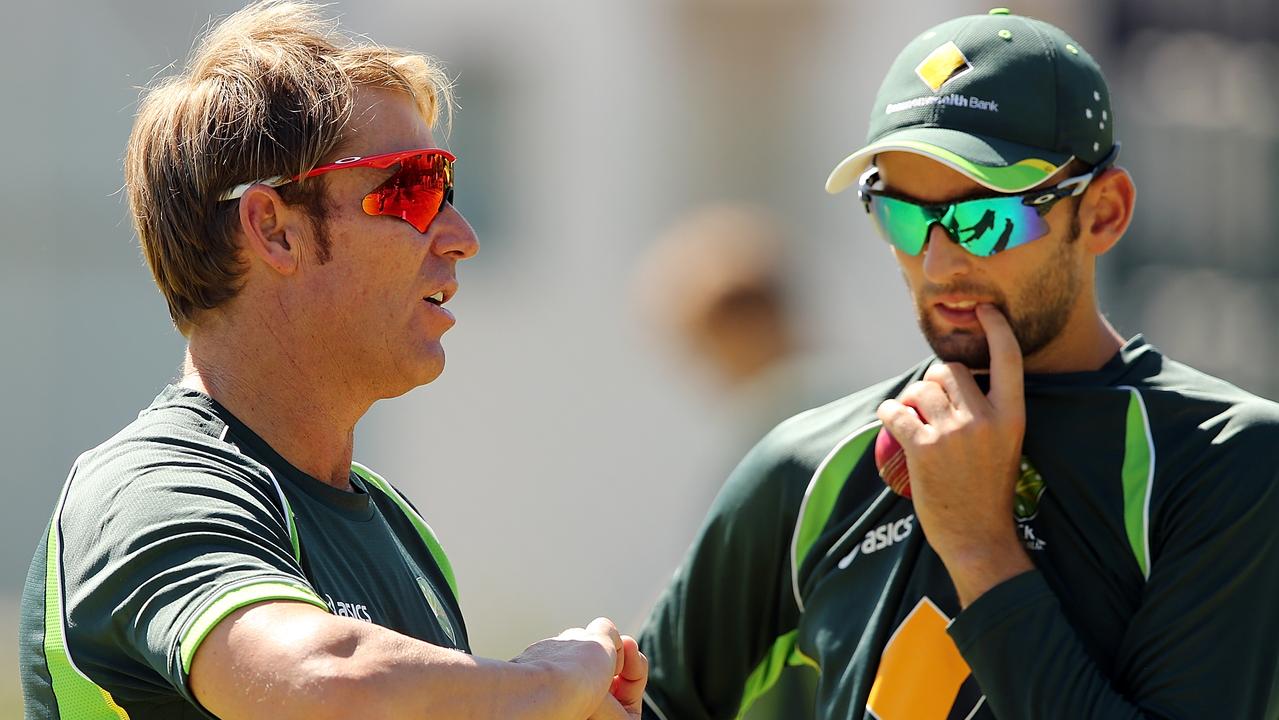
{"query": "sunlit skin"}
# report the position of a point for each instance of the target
(1047, 284)
(380, 335)
(963, 446)
(299, 355)
(305, 348)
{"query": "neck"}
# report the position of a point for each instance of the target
(1086, 344)
(304, 416)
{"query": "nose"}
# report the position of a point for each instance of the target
(452, 235)
(943, 258)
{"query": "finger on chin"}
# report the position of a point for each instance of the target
(1005, 357)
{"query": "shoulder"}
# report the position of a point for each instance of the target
(779, 468)
(1198, 414)
(170, 457)
(806, 439)
(1216, 449)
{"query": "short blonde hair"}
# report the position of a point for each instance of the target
(268, 91)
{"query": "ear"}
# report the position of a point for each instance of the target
(1106, 210)
(264, 220)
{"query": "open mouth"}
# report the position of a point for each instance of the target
(956, 312)
(436, 299)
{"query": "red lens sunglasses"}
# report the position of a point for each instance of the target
(415, 193)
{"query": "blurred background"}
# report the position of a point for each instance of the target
(607, 371)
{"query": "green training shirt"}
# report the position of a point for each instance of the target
(180, 519)
(1148, 502)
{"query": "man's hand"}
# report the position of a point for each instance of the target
(586, 658)
(963, 451)
(628, 686)
(605, 668)
(286, 659)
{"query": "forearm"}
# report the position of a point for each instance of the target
(388, 675)
(1028, 660)
(285, 665)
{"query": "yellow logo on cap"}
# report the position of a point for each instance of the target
(941, 65)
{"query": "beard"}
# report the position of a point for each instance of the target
(1039, 313)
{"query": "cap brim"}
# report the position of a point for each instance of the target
(996, 164)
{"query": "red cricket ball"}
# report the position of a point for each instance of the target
(891, 461)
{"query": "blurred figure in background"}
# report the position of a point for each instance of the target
(717, 285)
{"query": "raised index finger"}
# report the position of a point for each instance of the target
(1006, 377)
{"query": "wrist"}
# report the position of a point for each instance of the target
(975, 568)
(558, 688)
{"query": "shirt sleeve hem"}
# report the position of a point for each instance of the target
(232, 599)
(998, 606)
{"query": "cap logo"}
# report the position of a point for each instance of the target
(941, 65)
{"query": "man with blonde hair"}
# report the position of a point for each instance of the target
(222, 556)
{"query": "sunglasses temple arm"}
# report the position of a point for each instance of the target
(867, 182)
(1080, 183)
(238, 191)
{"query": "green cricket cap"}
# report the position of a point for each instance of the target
(1006, 100)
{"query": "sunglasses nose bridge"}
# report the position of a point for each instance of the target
(944, 259)
(938, 216)
(948, 220)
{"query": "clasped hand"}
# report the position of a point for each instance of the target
(607, 668)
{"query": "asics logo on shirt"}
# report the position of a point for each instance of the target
(889, 533)
(886, 535)
(895, 531)
(349, 610)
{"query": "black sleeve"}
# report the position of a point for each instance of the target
(1205, 639)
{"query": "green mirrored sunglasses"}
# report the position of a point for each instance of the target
(982, 226)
